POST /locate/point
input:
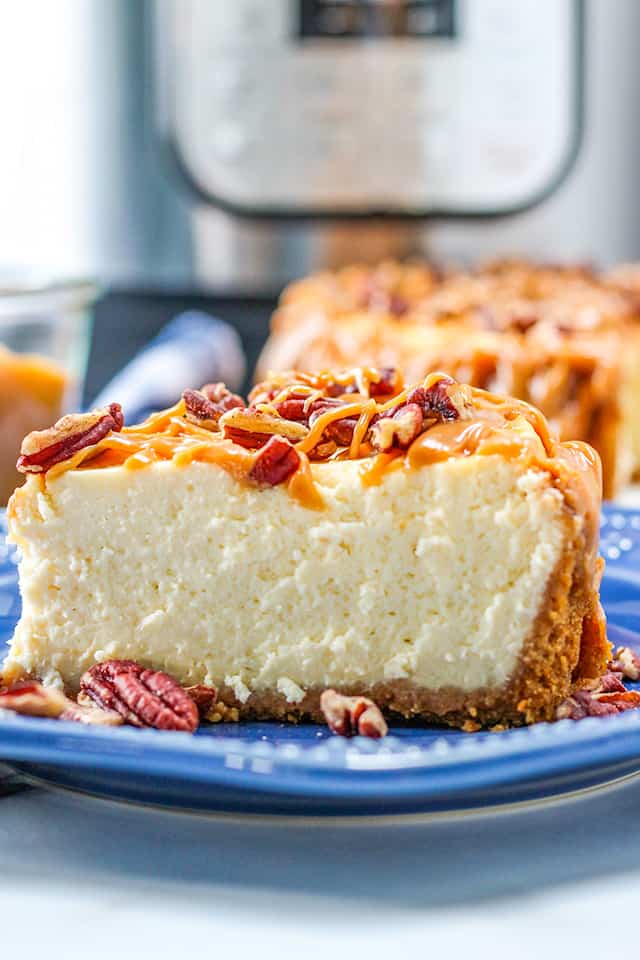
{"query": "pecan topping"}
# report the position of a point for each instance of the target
(603, 697)
(398, 430)
(42, 449)
(204, 697)
(390, 383)
(253, 428)
(33, 700)
(275, 462)
(144, 698)
(340, 431)
(293, 408)
(219, 394)
(348, 716)
(93, 715)
(627, 662)
(205, 406)
(444, 399)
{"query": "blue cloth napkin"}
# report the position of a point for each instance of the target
(191, 350)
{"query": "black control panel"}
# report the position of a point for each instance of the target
(349, 19)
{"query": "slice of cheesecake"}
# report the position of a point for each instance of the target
(433, 548)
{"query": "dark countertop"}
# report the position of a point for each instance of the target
(126, 320)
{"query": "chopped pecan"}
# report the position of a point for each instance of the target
(252, 428)
(390, 383)
(275, 462)
(219, 394)
(444, 399)
(207, 405)
(144, 698)
(603, 697)
(93, 715)
(399, 429)
(203, 696)
(42, 449)
(33, 699)
(348, 716)
(293, 408)
(384, 382)
(340, 431)
(627, 662)
(333, 389)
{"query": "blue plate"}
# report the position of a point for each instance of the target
(278, 769)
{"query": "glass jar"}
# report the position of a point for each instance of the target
(45, 331)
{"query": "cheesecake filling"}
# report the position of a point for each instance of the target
(434, 575)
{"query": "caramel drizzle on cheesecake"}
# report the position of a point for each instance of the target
(492, 424)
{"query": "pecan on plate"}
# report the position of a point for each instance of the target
(42, 449)
(203, 696)
(443, 399)
(91, 715)
(348, 716)
(627, 662)
(33, 699)
(275, 462)
(398, 429)
(253, 428)
(600, 698)
(143, 697)
(204, 407)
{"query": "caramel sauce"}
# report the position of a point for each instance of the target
(302, 487)
(378, 467)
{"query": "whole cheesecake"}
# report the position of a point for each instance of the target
(431, 547)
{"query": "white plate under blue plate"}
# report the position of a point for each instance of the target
(303, 770)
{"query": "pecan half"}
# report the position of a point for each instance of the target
(627, 662)
(42, 449)
(203, 696)
(443, 399)
(348, 716)
(252, 428)
(33, 700)
(91, 715)
(398, 430)
(144, 698)
(205, 406)
(274, 463)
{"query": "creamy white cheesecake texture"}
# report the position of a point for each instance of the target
(435, 575)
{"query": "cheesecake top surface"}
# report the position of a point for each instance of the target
(535, 301)
(295, 425)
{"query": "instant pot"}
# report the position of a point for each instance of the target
(210, 151)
